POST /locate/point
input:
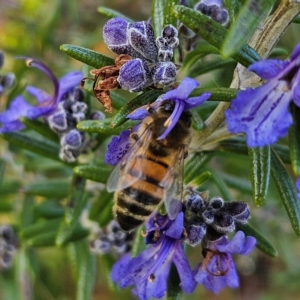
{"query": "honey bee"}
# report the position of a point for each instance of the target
(152, 169)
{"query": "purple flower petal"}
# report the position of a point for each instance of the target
(17, 108)
(40, 95)
(117, 148)
(232, 279)
(196, 101)
(208, 280)
(268, 68)
(68, 82)
(176, 228)
(296, 88)
(119, 267)
(139, 114)
(11, 126)
(182, 92)
(261, 113)
(173, 119)
(298, 186)
(296, 52)
(188, 282)
(238, 245)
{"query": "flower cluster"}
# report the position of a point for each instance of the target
(7, 80)
(62, 111)
(214, 10)
(149, 271)
(70, 110)
(211, 218)
(8, 244)
(112, 239)
(151, 59)
(46, 104)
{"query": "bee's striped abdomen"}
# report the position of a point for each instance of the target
(135, 203)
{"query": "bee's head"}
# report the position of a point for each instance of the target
(167, 107)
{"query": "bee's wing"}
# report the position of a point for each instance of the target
(173, 184)
(129, 162)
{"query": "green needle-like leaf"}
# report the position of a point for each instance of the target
(95, 173)
(246, 23)
(202, 68)
(100, 204)
(233, 7)
(42, 128)
(174, 290)
(30, 143)
(239, 146)
(217, 94)
(103, 126)
(158, 7)
(169, 18)
(200, 51)
(200, 179)
(143, 99)
(110, 13)
(260, 167)
(51, 188)
(87, 56)
(86, 271)
(2, 170)
(287, 191)
(75, 205)
(294, 139)
(49, 209)
(261, 242)
(40, 228)
(213, 32)
(194, 166)
(278, 52)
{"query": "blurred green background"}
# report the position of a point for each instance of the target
(36, 29)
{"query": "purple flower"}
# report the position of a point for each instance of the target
(182, 103)
(117, 148)
(217, 270)
(9, 118)
(46, 104)
(298, 186)
(263, 113)
(148, 272)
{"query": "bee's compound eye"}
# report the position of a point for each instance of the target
(168, 106)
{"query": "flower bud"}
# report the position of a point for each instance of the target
(61, 121)
(97, 115)
(141, 38)
(163, 74)
(134, 75)
(193, 201)
(223, 223)
(8, 80)
(115, 35)
(72, 139)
